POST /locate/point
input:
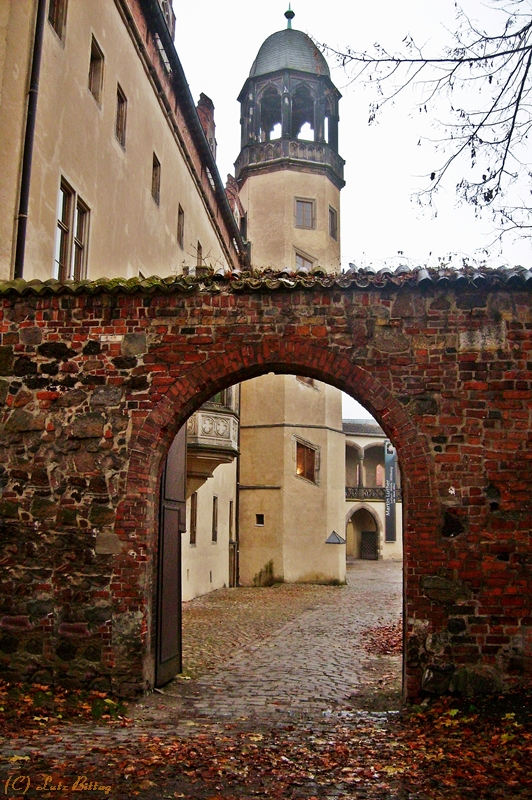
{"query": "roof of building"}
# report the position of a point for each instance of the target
(362, 427)
(255, 280)
(289, 49)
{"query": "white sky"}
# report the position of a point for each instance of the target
(217, 41)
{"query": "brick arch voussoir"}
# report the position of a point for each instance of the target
(226, 368)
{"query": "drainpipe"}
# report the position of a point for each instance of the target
(27, 155)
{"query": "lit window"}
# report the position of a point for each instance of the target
(215, 519)
(71, 236)
(57, 16)
(302, 262)
(304, 213)
(121, 113)
(193, 517)
(306, 462)
(156, 179)
(333, 223)
(180, 227)
(96, 71)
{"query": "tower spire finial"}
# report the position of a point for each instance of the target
(289, 16)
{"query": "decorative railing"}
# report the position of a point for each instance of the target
(370, 493)
(316, 152)
(212, 430)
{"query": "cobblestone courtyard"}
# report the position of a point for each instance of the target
(287, 649)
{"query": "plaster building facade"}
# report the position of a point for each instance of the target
(289, 172)
(107, 169)
(374, 510)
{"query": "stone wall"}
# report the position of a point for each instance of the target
(95, 380)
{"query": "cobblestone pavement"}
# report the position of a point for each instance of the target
(312, 663)
(283, 664)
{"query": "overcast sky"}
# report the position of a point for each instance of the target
(217, 41)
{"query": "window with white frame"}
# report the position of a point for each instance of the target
(72, 234)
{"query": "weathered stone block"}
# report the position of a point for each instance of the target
(6, 360)
(31, 335)
(476, 679)
(134, 344)
(106, 396)
(20, 421)
(443, 590)
(101, 515)
(107, 544)
(88, 426)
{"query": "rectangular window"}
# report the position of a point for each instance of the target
(57, 12)
(302, 262)
(180, 227)
(156, 179)
(71, 235)
(121, 114)
(199, 255)
(306, 462)
(305, 214)
(81, 225)
(215, 519)
(259, 519)
(231, 522)
(333, 223)
(96, 71)
(193, 518)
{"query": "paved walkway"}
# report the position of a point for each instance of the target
(317, 662)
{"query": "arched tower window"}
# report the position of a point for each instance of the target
(270, 114)
(303, 119)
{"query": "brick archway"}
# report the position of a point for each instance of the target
(186, 394)
(95, 379)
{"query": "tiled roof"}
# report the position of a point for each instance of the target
(268, 279)
(289, 49)
(362, 427)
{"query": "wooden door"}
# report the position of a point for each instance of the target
(172, 522)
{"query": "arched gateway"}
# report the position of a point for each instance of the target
(96, 379)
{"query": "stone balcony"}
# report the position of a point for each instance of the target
(309, 153)
(371, 493)
(212, 439)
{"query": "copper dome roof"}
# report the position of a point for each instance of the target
(289, 49)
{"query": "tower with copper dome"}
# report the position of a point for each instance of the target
(289, 172)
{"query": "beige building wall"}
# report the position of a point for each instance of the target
(17, 20)
(205, 564)
(269, 200)
(286, 518)
(129, 233)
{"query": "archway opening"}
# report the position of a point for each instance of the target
(251, 444)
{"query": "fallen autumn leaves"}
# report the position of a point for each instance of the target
(450, 750)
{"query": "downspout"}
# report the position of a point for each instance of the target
(29, 137)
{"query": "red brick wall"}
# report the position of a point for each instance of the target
(94, 386)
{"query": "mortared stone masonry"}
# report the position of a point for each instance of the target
(96, 378)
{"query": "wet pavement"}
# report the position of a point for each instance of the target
(316, 662)
(287, 664)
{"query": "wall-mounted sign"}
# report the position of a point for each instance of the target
(390, 466)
